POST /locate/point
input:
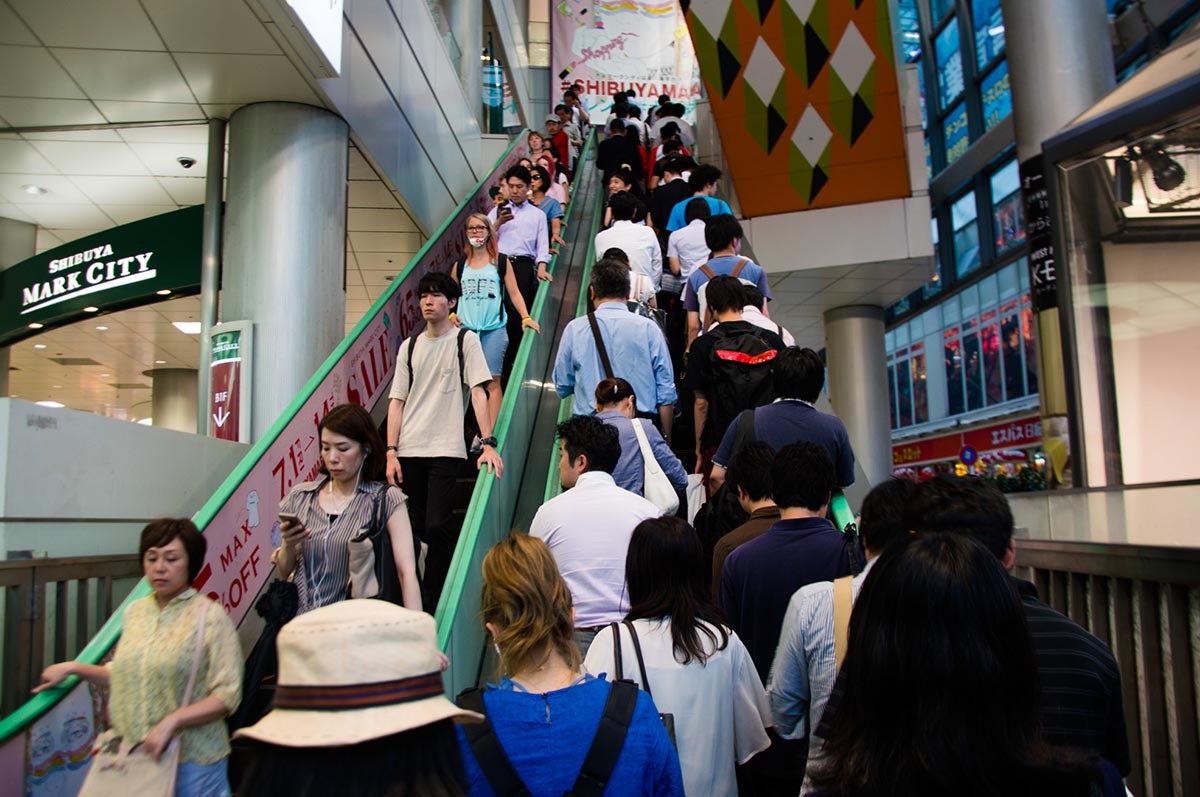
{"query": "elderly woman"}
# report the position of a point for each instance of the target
(148, 675)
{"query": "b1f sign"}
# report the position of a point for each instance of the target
(229, 392)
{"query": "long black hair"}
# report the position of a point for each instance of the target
(413, 763)
(662, 571)
(941, 688)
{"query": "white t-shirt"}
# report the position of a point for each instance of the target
(687, 244)
(640, 245)
(641, 288)
(433, 409)
(721, 709)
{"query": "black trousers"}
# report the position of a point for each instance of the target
(525, 270)
(431, 484)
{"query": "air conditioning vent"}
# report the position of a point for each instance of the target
(74, 361)
(128, 385)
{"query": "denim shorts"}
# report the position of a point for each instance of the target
(494, 343)
(202, 780)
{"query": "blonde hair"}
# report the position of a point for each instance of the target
(527, 601)
(489, 245)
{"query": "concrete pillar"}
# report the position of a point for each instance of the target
(285, 245)
(858, 384)
(466, 20)
(1059, 64)
(173, 398)
(18, 241)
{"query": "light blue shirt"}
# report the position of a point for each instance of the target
(525, 235)
(630, 471)
(638, 352)
(678, 218)
(481, 306)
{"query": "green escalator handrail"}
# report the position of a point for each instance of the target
(455, 587)
(107, 636)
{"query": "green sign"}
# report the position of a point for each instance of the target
(111, 270)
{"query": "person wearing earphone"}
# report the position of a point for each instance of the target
(318, 518)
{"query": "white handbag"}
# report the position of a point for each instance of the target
(656, 487)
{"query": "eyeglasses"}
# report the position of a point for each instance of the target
(476, 228)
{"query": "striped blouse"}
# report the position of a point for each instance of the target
(322, 572)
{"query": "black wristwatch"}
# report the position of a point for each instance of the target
(488, 441)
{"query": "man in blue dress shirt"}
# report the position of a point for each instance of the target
(635, 346)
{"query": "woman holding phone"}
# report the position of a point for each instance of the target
(317, 519)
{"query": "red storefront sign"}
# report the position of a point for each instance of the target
(230, 347)
(1017, 433)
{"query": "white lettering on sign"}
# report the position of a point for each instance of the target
(1016, 433)
(64, 263)
(219, 397)
(99, 276)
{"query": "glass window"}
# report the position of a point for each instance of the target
(989, 343)
(956, 134)
(966, 235)
(996, 96)
(1008, 281)
(1030, 347)
(972, 366)
(916, 330)
(910, 30)
(989, 30)
(989, 295)
(952, 347)
(889, 342)
(904, 392)
(1008, 210)
(933, 320)
(901, 336)
(940, 8)
(1023, 274)
(950, 311)
(921, 91)
(892, 393)
(920, 399)
(969, 300)
(1014, 349)
(949, 64)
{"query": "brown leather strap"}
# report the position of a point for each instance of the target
(707, 271)
(843, 603)
(737, 268)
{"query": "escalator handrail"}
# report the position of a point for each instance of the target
(110, 632)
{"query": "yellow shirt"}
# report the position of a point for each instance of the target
(150, 670)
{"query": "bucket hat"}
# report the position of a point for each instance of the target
(353, 671)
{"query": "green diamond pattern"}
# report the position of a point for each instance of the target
(714, 38)
(766, 96)
(811, 154)
(806, 31)
(852, 85)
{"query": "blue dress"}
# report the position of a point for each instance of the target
(547, 736)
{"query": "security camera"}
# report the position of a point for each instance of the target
(186, 162)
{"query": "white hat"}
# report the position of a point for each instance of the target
(353, 671)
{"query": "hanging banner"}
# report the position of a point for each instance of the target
(608, 46)
(229, 396)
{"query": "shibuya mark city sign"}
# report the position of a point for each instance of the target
(111, 270)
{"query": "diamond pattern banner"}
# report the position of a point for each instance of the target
(806, 100)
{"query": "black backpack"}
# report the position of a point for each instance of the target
(741, 362)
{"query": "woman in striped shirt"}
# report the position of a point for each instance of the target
(315, 553)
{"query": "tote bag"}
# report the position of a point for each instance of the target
(655, 485)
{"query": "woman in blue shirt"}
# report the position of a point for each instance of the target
(616, 405)
(481, 308)
(546, 711)
(539, 184)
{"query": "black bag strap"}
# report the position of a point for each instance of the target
(603, 352)
(637, 649)
(617, 663)
(501, 265)
(462, 367)
(498, 770)
(607, 743)
(744, 433)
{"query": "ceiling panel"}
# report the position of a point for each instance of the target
(378, 220)
(184, 190)
(69, 216)
(125, 75)
(33, 72)
(119, 111)
(25, 112)
(111, 24)
(385, 241)
(20, 157)
(124, 214)
(59, 190)
(75, 157)
(211, 26)
(240, 79)
(71, 135)
(12, 29)
(166, 134)
(123, 190)
(10, 211)
(163, 159)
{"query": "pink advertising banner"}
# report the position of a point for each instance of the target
(623, 45)
(244, 530)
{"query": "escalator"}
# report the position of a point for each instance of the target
(45, 745)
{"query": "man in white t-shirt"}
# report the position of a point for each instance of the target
(426, 449)
(687, 249)
(637, 241)
(589, 525)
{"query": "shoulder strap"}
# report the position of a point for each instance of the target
(618, 665)
(501, 264)
(707, 271)
(637, 649)
(492, 759)
(462, 374)
(741, 264)
(609, 739)
(745, 432)
(408, 357)
(603, 352)
(191, 684)
(842, 605)
(454, 270)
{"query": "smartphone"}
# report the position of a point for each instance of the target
(289, 517)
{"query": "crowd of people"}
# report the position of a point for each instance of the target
(683, 618)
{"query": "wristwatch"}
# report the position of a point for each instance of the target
(488, 441)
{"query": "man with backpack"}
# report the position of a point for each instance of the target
(723, 234)
(729, 368)
(426, 447)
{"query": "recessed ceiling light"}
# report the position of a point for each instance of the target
(105, 374)
(187, 327)
(160, 362)
(36, 325)
(39, 345)
(58, 387)
(30, 188)
(54, 405)
(146, 422)
(101, 328)
(164, 292)
(90, 309)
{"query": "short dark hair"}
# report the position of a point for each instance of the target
(673, 164)
(703, 176)
(439, 282)
(799, 373)
(610, 279)
(518, 171)
(750, 469)
(802, 476)
(669, 130)
(721, 230)
(697, 209)
(625, 176)
(620, 108)
(354, 422)
(612, 390)
(158, 533)
(671, 145)
(613, 253)
(724, 293)
(594, 439)
(664, 99)
(633, 132)
(541, 172)
(635, 111)
(623, 206)
(965, 505)
(679, 109)
(570, 93)
(559, 107)
(754, 297)
(882, 513)
(616, 125)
